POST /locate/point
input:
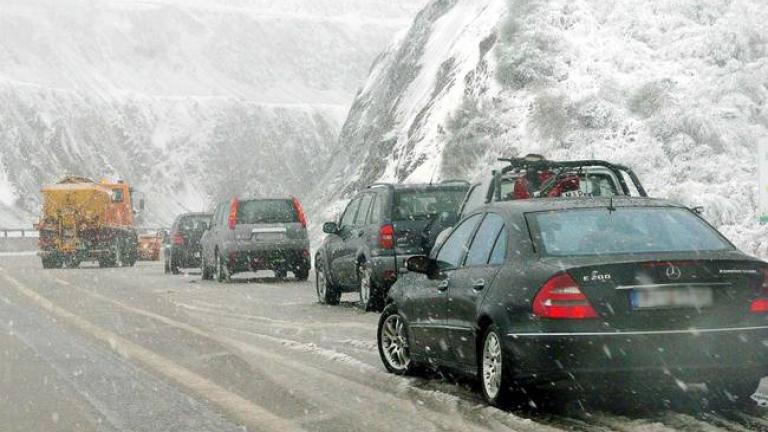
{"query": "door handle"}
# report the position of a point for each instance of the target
(443, 285)
(478, 284)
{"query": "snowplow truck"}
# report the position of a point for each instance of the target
(87, 221)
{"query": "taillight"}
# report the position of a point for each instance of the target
(760, 304)
(178, 239)
(299, 212)
(387, 236)
(561, 298)
(232, 221)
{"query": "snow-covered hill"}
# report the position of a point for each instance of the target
(189, 100)
(677, 90)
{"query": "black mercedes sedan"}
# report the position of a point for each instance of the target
(550, 291)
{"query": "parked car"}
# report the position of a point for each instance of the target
(256, 234)
(540, 292)
(150, 246)
(381, 227)
(183, 249)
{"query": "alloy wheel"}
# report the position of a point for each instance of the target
(394, 341)
(492, 365)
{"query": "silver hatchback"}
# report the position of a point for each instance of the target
(256, 234)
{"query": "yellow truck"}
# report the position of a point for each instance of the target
(84, 220)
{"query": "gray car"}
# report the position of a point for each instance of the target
(381, 227)
(256, 234)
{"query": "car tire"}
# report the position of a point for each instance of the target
(301, 274)
(393, 340)
(733, 391)
(221, 272)
(327, 292)
(492, 367)
(205, 271)
(369, 293)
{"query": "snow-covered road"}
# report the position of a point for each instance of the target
(136, 350)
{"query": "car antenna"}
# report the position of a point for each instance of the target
(611, 208)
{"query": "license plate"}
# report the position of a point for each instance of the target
(698, 298)
(270, 236)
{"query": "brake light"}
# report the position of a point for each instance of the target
(299, 212)
(387, 236)
(232, 221)
(760, 305)
(561, 298)
(178, 239)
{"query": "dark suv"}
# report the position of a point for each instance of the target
(381, 227)
(256, 234)
(183, 248)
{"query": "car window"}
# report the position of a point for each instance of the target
(348, 219)
(424, 204)
(362, 213)
(456, 245)
(221, 215)
(475, 197)
(377, 207)
(599, 231)
(266, 211)
(485, 238)
(194, 223)
(499, 252)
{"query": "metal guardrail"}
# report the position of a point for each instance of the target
(6, 233)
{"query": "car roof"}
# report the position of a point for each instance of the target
(183, 215)
(417, 186)
(549, 204)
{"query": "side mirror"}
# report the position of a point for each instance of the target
(330, 228)
(424, 265)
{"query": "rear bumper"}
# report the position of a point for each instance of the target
(685, 354)
(186, 257)
(287, 256)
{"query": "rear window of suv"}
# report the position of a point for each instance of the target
(194, 223)
(423, 204)
(266, 212)
(627, 230)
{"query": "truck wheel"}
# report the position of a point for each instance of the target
(51, 263)
(71, 262)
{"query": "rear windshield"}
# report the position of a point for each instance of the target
(598, 231)
(266, 212)
(194, 223)
(424, 204)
